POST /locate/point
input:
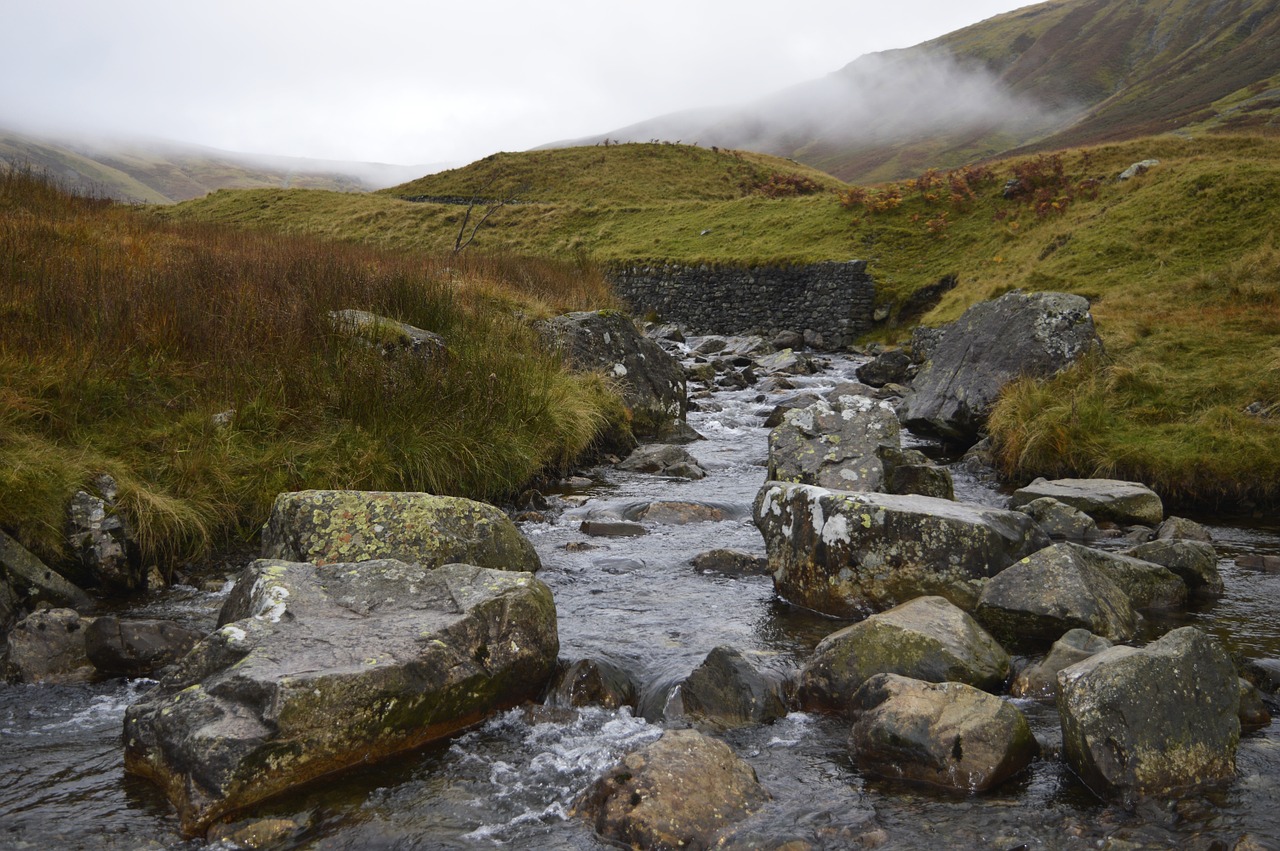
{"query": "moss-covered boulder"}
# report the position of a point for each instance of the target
(315, 669)
(940, 734)
(926, 639)
(729, 691)
(834, 444)
(1195, 562)
(652, 381)
(1102, 499)
(1153, 720)
(1052, 592)
(324, 527)
(681, 791)
(853, 554)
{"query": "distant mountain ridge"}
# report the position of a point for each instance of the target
(168, 172)
(1056, 74)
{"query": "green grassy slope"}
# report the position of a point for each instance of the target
(121, 338)
(1180, 263)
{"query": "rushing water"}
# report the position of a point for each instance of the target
(639, 603)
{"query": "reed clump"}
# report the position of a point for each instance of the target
(199, 366)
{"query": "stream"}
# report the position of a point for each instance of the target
(640, 604)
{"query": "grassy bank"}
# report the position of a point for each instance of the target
(1179, 263)
(122, 338)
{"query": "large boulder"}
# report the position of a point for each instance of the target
(926, 639)
(48, 647)
(891, 367)
(991, 345)
(1102, 499)
(652, 381)
(852, 554)
(102, 541)
(679, 792)
(1052, 592)
(1151, 720)
(834, 444)
(592, 682)
(942, 734)
(1146, 584)
(728, 690)
(323, 527)
(315, 669)
(1059, 520)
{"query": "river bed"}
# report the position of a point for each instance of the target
(638, 602)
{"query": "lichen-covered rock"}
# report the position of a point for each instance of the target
(786, 362)
(323, 527)
(389, 336)
(679, 792)
(136, 648)
(315, 669)
(652, 381)
(1059, 520)
(677, 512)
(1102, 499)
(942, 734)
(834, 444)
(728, 690)
(1041, 679)
(32, 581)
(852, 554)
(102, 541)
(593, 682)
(48, 647)
(1193, 561)
(992, 344)
(926, 639)
(664, 460)
(1153, 720)
(1052, 592)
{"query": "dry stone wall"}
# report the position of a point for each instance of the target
(834, 299)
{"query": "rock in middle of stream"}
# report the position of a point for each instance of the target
(852, 554)
(315, 669)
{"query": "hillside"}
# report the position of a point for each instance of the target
(1052, 75)
(164, 173)
(1181, 263)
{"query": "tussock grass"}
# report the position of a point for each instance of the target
(122, 338)
(1179, 264)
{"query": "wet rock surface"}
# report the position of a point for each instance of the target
(664, 460)
(324, 527)
(730, 691)
(1051, 592)
(49, 647)
(30, 581)
(1041, 679)
(942, 734)
(1152, 720)
(681, 791)
(852, 554)
(926, 639)
(136, 648)
(1102, 499)
(315, 669)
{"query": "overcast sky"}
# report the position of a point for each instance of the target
(423, 82)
